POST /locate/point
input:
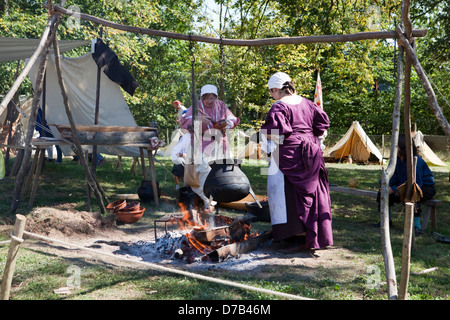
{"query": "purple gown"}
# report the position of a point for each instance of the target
(300, 160)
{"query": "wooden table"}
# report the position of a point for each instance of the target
(42, 145)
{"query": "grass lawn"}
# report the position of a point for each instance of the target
(38, 272)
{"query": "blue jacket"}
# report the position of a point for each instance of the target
(424, 176)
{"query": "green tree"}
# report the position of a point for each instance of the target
(358, 77)
(434, 55)
(161, 66)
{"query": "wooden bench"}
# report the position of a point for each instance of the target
(429, 211)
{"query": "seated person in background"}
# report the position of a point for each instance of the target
(424, 179)
(178, 156)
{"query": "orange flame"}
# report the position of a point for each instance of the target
(197, 244)
(189, 220)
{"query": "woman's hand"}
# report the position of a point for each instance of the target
(220, 125)
(205, 119)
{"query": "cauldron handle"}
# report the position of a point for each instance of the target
(254, 197)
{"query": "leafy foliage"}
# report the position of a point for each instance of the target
(358, 78)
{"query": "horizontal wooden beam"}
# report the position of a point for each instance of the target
(100, 128)
(113, 138)
(240, 42)
(356, 192)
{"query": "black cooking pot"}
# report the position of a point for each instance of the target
(145, 191)
(226, 182)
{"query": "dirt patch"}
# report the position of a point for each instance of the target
(135, 242)
(60, 223)
(105, 234)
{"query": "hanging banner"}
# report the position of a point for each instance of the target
(318, 94)
(319, 101)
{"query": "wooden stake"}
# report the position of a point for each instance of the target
(12, 256)
(406, 250)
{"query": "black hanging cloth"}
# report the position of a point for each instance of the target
(104, 56)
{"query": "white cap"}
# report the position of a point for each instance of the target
(277, 80)
(208, 88)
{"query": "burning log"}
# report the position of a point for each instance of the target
(210, 235)
(237, 248)
(220, 243)
(213, 237)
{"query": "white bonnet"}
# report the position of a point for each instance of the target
(278, 79)
(208, 88)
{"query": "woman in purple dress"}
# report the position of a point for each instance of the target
(297, 183)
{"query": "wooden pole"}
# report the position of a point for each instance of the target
(52, 25)
(246, 43)
(389, 265)
(195, 122)
(41, 153)
(42, 44)
(97, 111)
(407, 101)
(151, 165)
(409, 207)
(89, 176)
(12, 116)
(406, 251)
(14, 247)
(432, 100)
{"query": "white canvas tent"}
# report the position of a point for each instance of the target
(20, 48)
(176, 136)
(252, 151)
(80, 76)
(356, 143)
(425, 151)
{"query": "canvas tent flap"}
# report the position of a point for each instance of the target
(430, 157)
(21, 48)
(176, 136)
(425, 151)
(357, 143)
(80, 76)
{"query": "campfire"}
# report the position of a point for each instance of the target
(209, 237)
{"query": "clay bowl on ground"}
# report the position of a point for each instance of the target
(131, 206)
(116, 205)
(130, 216)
